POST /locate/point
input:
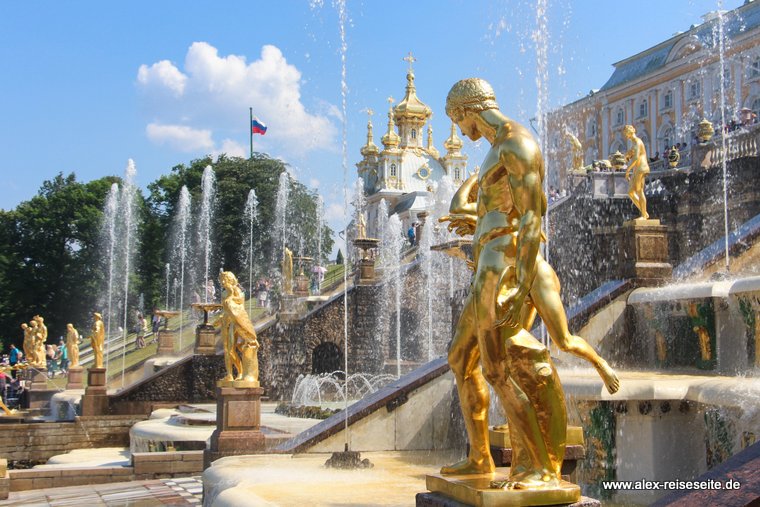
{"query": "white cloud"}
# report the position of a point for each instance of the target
(335, 211)
(314, 183)
(162, 74)
(233, 149)
(180, 137)
(214, 91)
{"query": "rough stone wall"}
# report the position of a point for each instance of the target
(584, 243)
(37, 442)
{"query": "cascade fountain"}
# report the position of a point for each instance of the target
(205, 220)
(181, 249)
(109, 238)
(250, 214)
(281, 217)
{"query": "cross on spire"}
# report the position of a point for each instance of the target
(390, 100)
(411, 59)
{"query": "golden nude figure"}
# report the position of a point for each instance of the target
(97, 339)
(487, 346)
(238, 334)
(637, 162)
(72, 345)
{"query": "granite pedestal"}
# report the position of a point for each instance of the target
(76, 375)
(95, 399)
(645, 250)
(166, 342)
(238, 423)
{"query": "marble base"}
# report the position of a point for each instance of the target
(645, 259)
(205, 340)
(95, 399)
(475, 490)
(166, 342)
(238, 423)
(440, 500)
(75, 380)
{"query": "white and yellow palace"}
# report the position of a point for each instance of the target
(664, 92)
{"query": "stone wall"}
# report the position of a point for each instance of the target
(584, 232)
(37, 442)
(190, 380)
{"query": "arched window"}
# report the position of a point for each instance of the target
(617, 145)
(643, 108)
(754, 68)
(620, 117)
(667, 100)
(393, 169)
(591, 128)
(695, 89)
(457, 174)
(414, 134)
(666, 138)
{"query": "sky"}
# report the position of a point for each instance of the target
(88, 85)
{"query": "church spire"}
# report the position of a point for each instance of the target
(390, 139)
(370, 148)
(453, 144)
(430, 146)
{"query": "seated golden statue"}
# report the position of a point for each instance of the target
(238, 334)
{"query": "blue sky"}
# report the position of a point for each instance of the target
(87, 85)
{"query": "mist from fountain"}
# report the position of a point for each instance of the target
(281, 215)
(128, 220)
(108, 235)
(181, 249)
(208, 186)
(250, 214)
(395, 247)
(326, 390)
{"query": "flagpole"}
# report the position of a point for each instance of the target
(250, 128)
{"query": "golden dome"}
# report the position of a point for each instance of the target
(453, 144)
(370, 148)
(411, 107)
(391, 139)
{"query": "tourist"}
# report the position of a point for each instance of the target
(3, 385)
(13, 358)
(411, 234)
(140, 328)
(155, 325)
(63, 356)
(50, 352)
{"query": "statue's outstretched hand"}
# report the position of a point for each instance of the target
(461, 224)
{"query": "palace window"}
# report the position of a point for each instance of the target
(620, 118)
(754, 68)
(393, 169)
(667, 100)
(694, 90)
(414, 134)
(591, 128)
(643, 107)
(457, 174)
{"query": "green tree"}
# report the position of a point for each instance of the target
(339, 257)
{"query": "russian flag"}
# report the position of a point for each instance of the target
(257, 127)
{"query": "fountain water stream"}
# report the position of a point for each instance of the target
(181, 247)
(204, 228)
(250, 214)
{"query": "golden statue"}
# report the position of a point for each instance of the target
(577, 148)
(361, 227)
(544, 296)
(39, 334)
(287, 272)
(238, 334)
(72, 345)
(637, 161)
(28, 343)
(490, 340)
(97, 339)
(699, 322)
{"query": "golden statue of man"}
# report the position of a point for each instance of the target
(361, 227)
(28, 342)
(72, 345)
(577, 149)
(97, 339)
(287, 271)
(637, 162)
(238, 334)
(490, 341)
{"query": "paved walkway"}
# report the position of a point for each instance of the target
(177, 491)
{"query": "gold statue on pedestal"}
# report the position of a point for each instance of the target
(97, 339)
(28, 345)
(39, 332)
(238, 335)
(361, 227)
(637, 161)
(72, 345)
(287, 271)
(577, 149)
(511, 281)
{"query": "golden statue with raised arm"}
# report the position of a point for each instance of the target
(238, 335)
(287, 271)
(72, 345)
(637, 162)
(490, 342)
(577, 149)
(97, 339)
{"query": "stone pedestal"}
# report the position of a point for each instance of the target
(95, 399)
(166, 342)
(501, 448)
(288, 308)
(75, 378)
(205, 340)
(302, 286)
(238, 423)
(644, 252)
(367, 270)
(39, 393)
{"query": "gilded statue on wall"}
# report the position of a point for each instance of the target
(577, 150)
(510, 283)
(40, 336)
(72, 345)
(238, 335)
(97, 339)
(637, 162)
(287, 271)
(361, 227)
(28, 345)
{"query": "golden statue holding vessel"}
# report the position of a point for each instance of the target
(238, 336)
(502, 206)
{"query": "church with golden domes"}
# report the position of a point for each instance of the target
(406, 171)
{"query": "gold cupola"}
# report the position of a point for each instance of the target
(431, 149)
(453, 144)
(370, 148)
(390, 140)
